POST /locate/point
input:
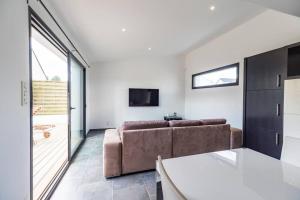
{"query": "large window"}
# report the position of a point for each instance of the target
(220, 77)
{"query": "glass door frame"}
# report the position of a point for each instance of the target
(49, 33)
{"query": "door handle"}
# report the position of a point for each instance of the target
(72, 108)
(278, 109)
(278, 80)
(277, 139)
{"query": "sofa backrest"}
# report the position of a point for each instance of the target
(186, 123)
(213, 121)
(183, 123)
(135, 125)
(200, 139)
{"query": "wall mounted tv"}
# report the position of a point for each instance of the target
(143, 97)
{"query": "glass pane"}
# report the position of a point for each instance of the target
(77, 129)
(49, 112)
(216, 78)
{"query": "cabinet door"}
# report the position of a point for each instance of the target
(264, 114)
(267, 70)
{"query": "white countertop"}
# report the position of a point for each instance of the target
(240, 174)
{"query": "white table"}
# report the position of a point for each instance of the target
(240, 174)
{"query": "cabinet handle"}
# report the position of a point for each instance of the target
(278, 80)
(278, 109)
(277, 139)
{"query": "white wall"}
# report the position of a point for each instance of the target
(291, 108)
(109, 84)
(14, 118)
(267, 31)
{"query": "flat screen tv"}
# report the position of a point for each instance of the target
(143, 97)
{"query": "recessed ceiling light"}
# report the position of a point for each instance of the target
(149, 48)
(123, 29)
(212, 8)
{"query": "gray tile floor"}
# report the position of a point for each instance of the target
(84, 179)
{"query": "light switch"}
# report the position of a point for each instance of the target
(24, 93)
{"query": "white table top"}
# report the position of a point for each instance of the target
(240, 174)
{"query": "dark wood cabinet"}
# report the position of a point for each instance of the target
(264, 121)
(293, 69)
(266, 70)
(264, 90)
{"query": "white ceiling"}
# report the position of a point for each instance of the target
(169, 27)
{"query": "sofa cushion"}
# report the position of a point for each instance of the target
(134, 125)
(200, 139)
(141, 148)
(182, 123)
(213, 121)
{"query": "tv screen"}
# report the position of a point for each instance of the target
(143, 97)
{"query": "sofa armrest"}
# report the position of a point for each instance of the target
(112, 153)
(236, 138)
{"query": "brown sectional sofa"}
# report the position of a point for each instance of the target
(135, 146)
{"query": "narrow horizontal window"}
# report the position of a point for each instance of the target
(220, 77)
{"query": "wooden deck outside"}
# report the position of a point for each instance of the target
(49, 155)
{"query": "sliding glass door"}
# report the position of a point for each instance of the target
(49, 109)
(57, 107)
(77, 104)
